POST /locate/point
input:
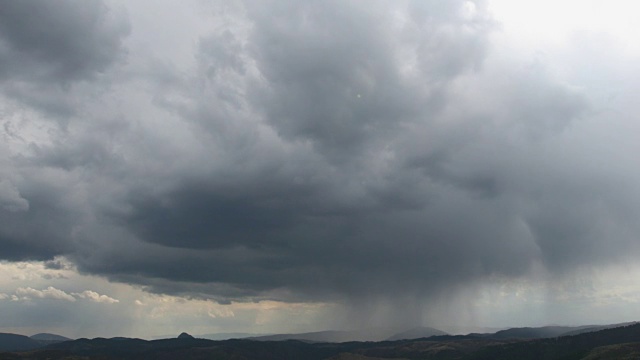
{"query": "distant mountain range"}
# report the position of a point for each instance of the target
(595, 342)
(417, 333)
(548, 331)
(392, 334)
(614, 343)
(225, 336)
(373, 334)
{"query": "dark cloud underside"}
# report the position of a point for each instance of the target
(59, 42)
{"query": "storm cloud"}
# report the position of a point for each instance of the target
(63, 42)
(312, 151)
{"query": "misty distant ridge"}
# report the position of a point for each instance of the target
(370, 334)
(16, 342)
(49, 337)
(550, 331)
(223, 336)
(614, 342)
(395, 334)
(417, 333)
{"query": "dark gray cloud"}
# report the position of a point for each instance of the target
(318, 151)
(42, 230)
(343, 77)
(59, 42)
(46, 48)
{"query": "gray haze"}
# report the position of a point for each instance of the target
(358, 152)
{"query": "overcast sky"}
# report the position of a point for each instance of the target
(280, 166)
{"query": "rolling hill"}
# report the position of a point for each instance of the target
(14, 342)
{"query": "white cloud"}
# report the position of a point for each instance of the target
(3, 296)
(94, 296)
(48, 293)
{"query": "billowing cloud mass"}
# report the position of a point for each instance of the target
(336, 151)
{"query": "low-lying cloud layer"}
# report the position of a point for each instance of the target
(310, 152)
